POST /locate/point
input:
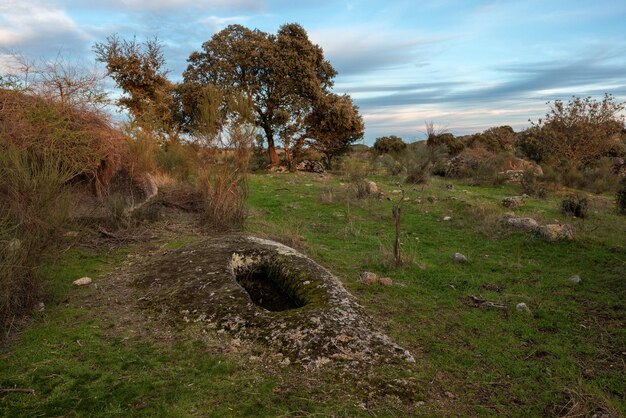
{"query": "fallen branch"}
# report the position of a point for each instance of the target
(17, 390)
(480, 302)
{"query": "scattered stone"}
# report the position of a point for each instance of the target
(459, 258)
(556, 232)
(396, 191)
(372, 187)
(513, 202)
(522, 307)
(278, 169)
(526, 224)
(14, 245)
(71, 234)
(447, 218)
(310, 166)
(385, 281)
(432, 199)
(450, 186)
(83, 281)
(367, 277)
(41, 306)
(575, 279)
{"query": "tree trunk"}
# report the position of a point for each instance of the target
(271, 147)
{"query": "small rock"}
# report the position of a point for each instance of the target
(372, 187)
(83, 281)
(447, 218)
(367, 277)
(522, 307)
(71, 234)
(557, 232)
(459, 258)
(385, 281)
(526, 224)
(420, 403)
(41, 307)
(513, 202)
(432, 199)
(575, 278)
(396, 191)
(450, 186)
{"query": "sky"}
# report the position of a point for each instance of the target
(463, 65)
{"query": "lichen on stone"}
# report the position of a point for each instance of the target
(324, 323)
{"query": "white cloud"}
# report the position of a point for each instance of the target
(26, 22)
(217, 23)
(160, 5)
(358, 50)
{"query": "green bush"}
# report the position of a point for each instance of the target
(389, 145)
(575, 205)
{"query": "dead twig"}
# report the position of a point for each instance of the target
(17, 390)
(481, 302)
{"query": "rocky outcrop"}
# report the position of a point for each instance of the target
(556, 232)
(264, 291)
(310, 166)
(525, 224)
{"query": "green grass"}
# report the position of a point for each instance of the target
(490, 361)
(493, 360)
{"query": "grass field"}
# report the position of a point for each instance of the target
(565, 358)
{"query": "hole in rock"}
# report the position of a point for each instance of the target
(268, 288)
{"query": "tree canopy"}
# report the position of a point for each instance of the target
(579, 131)
(284, 75)
(137, 69)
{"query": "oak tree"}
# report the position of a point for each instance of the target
(284, 75)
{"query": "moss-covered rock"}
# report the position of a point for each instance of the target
(320, 323)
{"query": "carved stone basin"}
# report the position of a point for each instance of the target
(261, 290)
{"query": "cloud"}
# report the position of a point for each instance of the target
(542, 80)
(39, 30)
(217, 23)
(359, 50)
(168, 5)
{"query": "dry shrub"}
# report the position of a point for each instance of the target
(33, 206)
(354, 171)
(224, 179)
(142, 149)
(479, 166)
(484, 218)
(83, 141)
(597, 177)
(224, 192)
(582, 403)
(179, 159)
